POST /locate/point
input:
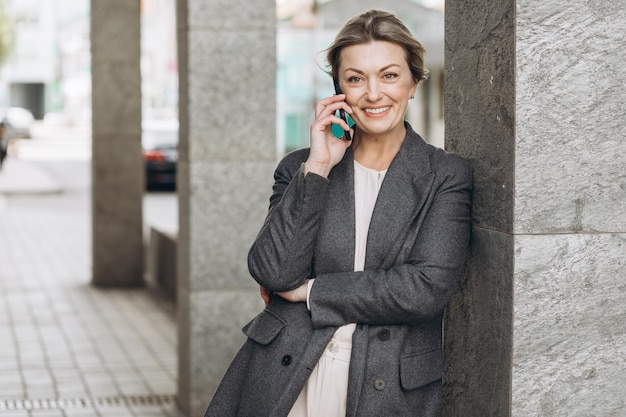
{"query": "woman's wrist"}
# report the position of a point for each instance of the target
(319, 169)
(297, 295)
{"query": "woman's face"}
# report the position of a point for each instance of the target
(378, 83)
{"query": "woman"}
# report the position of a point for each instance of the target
(362, 248)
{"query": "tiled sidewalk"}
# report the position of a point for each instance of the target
(68, 349)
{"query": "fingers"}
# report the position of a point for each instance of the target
(323, 124)
(330, 105)
(351, 131)
(326, 113)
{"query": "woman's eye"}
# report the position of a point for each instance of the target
(390, 76)
(354, 79)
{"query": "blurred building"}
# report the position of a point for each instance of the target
(49, 69)
(32, 67)
(71, 90)
(159, 63)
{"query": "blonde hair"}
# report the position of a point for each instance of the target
(378, 25)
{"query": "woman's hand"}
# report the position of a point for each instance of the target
(266, 295)
(297, 295)
(326, 149)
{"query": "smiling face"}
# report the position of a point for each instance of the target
(378, 83)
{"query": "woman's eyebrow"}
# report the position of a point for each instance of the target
(385, 68)
(388, 66)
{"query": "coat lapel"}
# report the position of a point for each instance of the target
(337, 225)
(405, 190)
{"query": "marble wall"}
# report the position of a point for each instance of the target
(227, 155)
(535, 97)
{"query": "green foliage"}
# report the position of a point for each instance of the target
(7, 34)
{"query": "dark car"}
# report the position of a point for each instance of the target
(160, 152)
(4, 142)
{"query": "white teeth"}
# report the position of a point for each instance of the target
(377, 111)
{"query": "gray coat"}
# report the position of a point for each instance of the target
(416, 250)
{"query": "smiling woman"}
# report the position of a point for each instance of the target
(362, 248)
(378, 84)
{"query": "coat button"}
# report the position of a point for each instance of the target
(379, 384)
(384, 334)
(286, 360)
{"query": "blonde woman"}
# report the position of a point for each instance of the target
(363, 246)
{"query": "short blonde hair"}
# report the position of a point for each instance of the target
(378, 25)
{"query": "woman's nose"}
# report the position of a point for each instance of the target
(373, 90)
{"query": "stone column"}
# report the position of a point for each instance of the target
(227, 153)
(117, 165)
(535, 97)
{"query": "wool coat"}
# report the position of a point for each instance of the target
(416, 251)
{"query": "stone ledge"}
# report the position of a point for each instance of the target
(161, 261)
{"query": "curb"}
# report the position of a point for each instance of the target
(19, 177)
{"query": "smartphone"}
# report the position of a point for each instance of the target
(338, 130)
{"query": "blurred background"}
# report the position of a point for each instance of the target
(45, 88)
(97, 349)
(45, 80)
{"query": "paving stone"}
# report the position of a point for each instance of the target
(70, 349)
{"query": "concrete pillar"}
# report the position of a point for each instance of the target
(117, 166)
(227, 153)
(535, 96)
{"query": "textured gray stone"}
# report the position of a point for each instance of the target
(232, 15)
(227, 153)
(479, 331)
(116, 100)
(117, 220)
(211, 340)
(117, 165)
(228, 211)
(161, 260)
(570, 169)
(480, 103)
(570, 184)
(480, 124)
(570, 332)
(235, 118)
(537, 102)
(117, 30)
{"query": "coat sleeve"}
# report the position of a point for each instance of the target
(280, 257)
(418, 288)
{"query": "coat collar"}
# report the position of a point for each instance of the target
(404, 191)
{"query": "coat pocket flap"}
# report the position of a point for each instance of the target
(264, 327)
(421, 369)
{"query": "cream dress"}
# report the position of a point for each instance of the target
(326, 390)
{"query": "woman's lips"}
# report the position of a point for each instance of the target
(377, 111)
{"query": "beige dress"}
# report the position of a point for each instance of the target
(326, 390)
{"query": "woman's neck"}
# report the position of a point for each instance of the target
(377, 152)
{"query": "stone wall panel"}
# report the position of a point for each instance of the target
(570, 332)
